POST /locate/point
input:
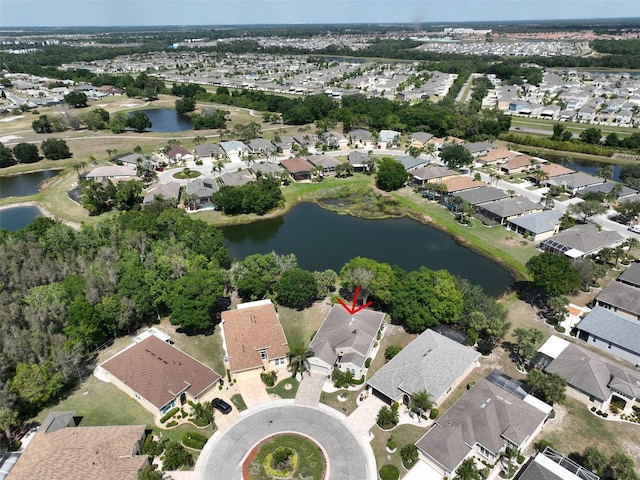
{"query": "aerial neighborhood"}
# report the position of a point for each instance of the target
(320, 253)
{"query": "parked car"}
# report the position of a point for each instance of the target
(221, 405)
(634, 228)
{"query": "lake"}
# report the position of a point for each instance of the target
(322, 239)
(15, 218)
(587, 166)
(24, 184)
(166, 120)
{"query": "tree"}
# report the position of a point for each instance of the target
(193, 297)
(528, 340)
(76, 99)
(409, 454)
(344, 170)
(118, 122)
(186, 104)
(591, 135)
(548, 387)
(391, 351)
(391, 175)
(77, 166)
(298, 360)
(55, 149)
(554, 274)
(374, 278)
(26, 152)
(139, 122)
(297, 288)
(456, 155)
(175, 456)
(623, 467)
(6, 157)
(8, 419)
(128, 195)
(605, 172)
(595, 460)
(37, 384)
(388, 417)
(467, 471)
(421, 402)
(587, 209)
(149, 472)
(629, 209)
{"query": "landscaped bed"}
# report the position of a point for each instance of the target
(285, 456)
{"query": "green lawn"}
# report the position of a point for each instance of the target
(394, 335)
(281, 390)
(238, 401)
(347, 407)
(403, 435)
(300, 325)
(540, 124)
(311, 462)
(204, 348)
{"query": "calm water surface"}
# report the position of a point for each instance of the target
(167, 120)
(322, 239)
(24, 184)
(15, 218)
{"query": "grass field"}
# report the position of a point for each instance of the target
(540, 124)
(403, 434)
(300, 325)
(281, 390)
(346, 407)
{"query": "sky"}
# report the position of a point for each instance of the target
(60, 13)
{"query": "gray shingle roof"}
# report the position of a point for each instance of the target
(484, 415)
(208, 150)
(622, 296)
(202, 187)
(539, 222)
(421, 136)
(575, 180)
(357, 157)
(611, 327)
(508, 207)
(607, 188)
(477, 147)
(236, 179)
(265, 167)
(482, 195)
(631, 275)
(432, 171)
(409, 162)
(343, 332)
(431, 362)
(324, 161)
(586, 238)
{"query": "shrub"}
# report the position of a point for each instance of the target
(389, 472)
(593, 409)
(560, 329)
(169, 414)
(151, 447)
(15, 446)
(387, 418)
(433, 414)
(228, 375)
(391, 443)
(391, 351)
(269, 379)
(194, 440)
(542, 444)
(172, 423)
(367, 362)
(552, 414)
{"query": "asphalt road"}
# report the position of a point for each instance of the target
(223, 454)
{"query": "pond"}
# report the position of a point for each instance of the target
(166, 120)
(587, 166)
(322, 239)
(24, 184)
(15, 218)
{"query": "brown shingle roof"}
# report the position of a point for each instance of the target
(297, 165)
(553, 169)
(457, 184)
(159, 372)
(80, 453)
(249, 330)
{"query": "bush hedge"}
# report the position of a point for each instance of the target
(433, 414)
(169, 414)
(172, 423)
(389, 472)
(194, 440)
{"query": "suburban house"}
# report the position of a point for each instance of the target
(166, 191)
(432, 174)
(476, 196)
(537, 226)
(361, 138)
(235, 150)
(209, 151)
(412, 163)
(298, 168)
(178, 153)
(494, 413)
(479, 149)
(388, 138)
(420, 139)
(500, 211)
(284, 145)
(199, 192)
(574, 182)
(461, 183)
(260, 146)
(497, 156)
(327, 163)
(253, 338)
(516, 164)
(113, 172)
(236, 179)
(592, 379)
(334, 140)
(157, 374)
(345, 341)
(267, 168)
(612, 333)
(307, 141)
(581, 240)
(360, 161)
(130, 158)
(623, 294)
(608, 188)
(551, 465)
(550, 170)
(62, 450)
(431, 362)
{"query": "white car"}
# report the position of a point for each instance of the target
(634, 228)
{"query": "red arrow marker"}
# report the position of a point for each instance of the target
(353, 309)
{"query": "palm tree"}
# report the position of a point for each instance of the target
(173, 142)
(77, 166)
(217, 167)
(421, 402)
(298, 360)
(199, 140)
(541, 176)
(111, 152)
(467, 471)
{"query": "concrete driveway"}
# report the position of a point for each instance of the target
(348, 458)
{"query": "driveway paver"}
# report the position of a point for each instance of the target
(310, 389)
